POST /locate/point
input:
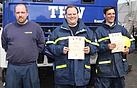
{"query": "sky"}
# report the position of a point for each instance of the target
(122, 1)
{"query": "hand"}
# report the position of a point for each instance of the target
(126, 51)
(65, 50)
(87, 49)
(111, 46)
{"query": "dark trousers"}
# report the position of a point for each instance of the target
(109, 82)
(67, 86)
(22, 76)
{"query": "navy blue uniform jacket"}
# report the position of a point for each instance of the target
(111, 64)
(71, 72)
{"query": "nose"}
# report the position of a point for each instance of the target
(20, 14)
(72, 15)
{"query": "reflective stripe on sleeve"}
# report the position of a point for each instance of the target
(94, 43)
(50, 42)
(61, 38)
(58, 39)
(132, 39)
(102, 39)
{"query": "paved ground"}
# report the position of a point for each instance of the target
(131, 77)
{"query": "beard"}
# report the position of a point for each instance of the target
(21, 20)
(74, 23)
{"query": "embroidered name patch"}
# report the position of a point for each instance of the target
(28, 32)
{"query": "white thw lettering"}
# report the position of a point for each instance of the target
(61, 10)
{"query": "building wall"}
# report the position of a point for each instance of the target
(127, 15)
(127, 11)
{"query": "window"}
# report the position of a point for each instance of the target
(88, 1)
(44, 0)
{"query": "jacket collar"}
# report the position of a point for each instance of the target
(107, 26)
(82, 26)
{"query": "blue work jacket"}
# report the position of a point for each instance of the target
(71, 71)
(111, 64)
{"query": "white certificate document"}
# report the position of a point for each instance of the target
(76, 47)
(117, 39)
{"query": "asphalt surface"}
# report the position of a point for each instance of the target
(131, 77)
(46, 78)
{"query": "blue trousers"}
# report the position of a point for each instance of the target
(22, 76)
(101, 82)
(67, 86)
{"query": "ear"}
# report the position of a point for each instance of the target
(27, 14)
(104, 15)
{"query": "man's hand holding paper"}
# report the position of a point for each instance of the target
(116, 38)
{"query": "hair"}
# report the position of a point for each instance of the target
(21, 4)
(71, 6)
(108, 8)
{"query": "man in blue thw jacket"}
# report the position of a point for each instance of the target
(71, 73)
(111, 67)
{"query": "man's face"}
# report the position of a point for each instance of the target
(110, 16)
(72, 16)
(21, 13)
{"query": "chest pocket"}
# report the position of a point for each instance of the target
(62, 41)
